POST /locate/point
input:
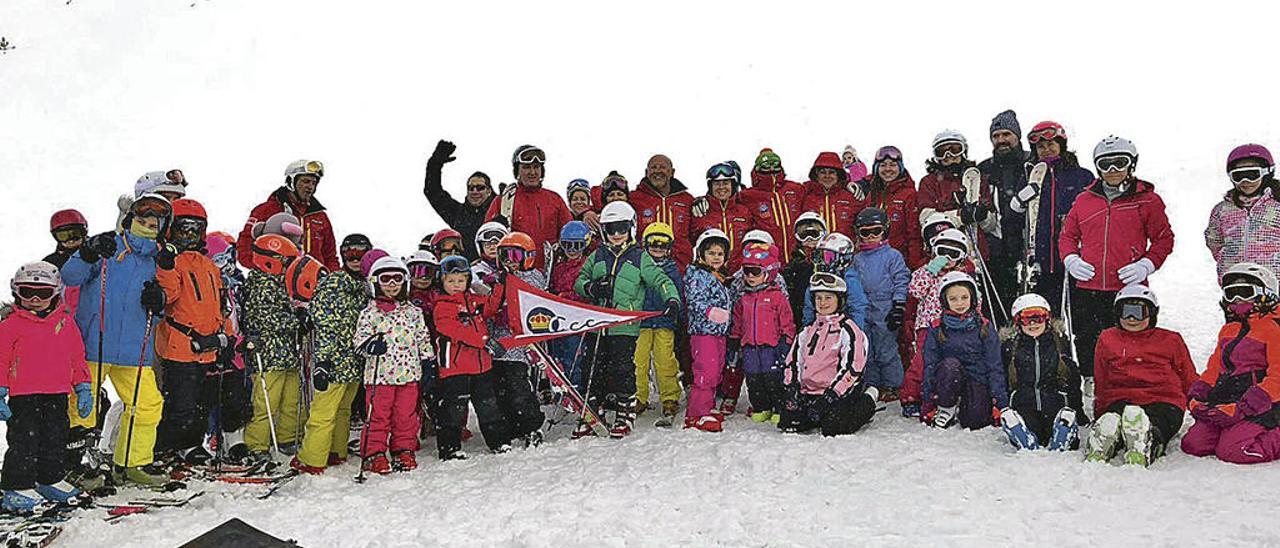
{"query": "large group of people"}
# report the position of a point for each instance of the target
(1010, 292)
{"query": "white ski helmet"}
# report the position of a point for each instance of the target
(810, 217)
(957, 277)
(37, 273)
(421, 257)
(1258, 274)
(708, 236)
(302, 167)
(617, 211)
(489, 228)
(950, 238)
(951, 136)
(1138, 292)
(1115, 146)
(1028, 301)
(840, 246)
(758, 236)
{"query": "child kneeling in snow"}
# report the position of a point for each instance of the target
(41, 361)
(962, 368)
(1233, 401)
(393, 334)
(1141, 377)
(823, 376)
(1043, 379)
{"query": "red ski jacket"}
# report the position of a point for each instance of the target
(538, 212)
(731, 217)
(1141, 367)
(1110, 235)
(461, 331)
(673, 209)
(836, 205)
(317, 231)
(774, 203)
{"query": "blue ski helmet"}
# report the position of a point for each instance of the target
(575, 231)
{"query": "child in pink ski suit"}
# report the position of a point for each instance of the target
(762, 329)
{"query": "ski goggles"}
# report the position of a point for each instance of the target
(1133, 310)
(353, 253)
(830, 257)
(190, 226)
(314, 167)
(756, 251)
(825, 281)
(454, 265)
(150, 208)
(889, 153)
(532, 156)
(423, 270)
(515, 254)
(948, 150)
(1241, 292)
(573, 246)
(871, 231)
(39, 292)
(752, 270)
(617, 228)
(1046, 134)
(388, 278)
(810, 232)
(490, 237)
(953, 253)
(1248, 174)
(224, 260)
(449, 246)
(1033, 316)
(69, 234)
(722, 172)
(660, 242)
(1109, 164)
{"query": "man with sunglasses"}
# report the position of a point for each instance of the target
(1064, 181)
(722, 209)
(296, 197)
(1243, 227)
(826, 194)
(892, 190)
(1115, 235)
(1006, 169)
(528, 207)
(661, 198)
(773, 201)
(465, 216)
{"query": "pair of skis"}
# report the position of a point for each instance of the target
(971, 182)
(569, 395)
(1028, 268)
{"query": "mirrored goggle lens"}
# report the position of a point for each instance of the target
(513, 254)
(660, 242)
(811, 233)
(720, 171)
(390, 278)
(617, 227)
(1113, 163)
(752, 270)
(455, 265)
(870, 231)
(68, 234)
(190, 226)
(532, 156)
(949, 252)
(422, 270)
(353, 253)
(828, 256)
(314, 167)
(1033, 316)
(1247, 174)
(1241, 292)
(1046, 134)
(948, 150)
(149, 208)
(889, 153)
(573, 246)
(1133, 310)
(41, 292)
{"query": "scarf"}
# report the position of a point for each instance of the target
(959, 322)
(137, 229)
(386, 304)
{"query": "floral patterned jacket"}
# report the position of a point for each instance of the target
(408, 343)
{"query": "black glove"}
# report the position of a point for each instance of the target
(322, 375)
(495, 348)
(731, 353)
(247, 345)
(896, 316)
(830, 396)
(226, 359)
(209, 343)
(375, 347)
(601, 289)
(98, 246)
(673, 310)
(429, 375)
(443, 153)
(165, 257)
(305, 324)
(972, 213)
(153, 298)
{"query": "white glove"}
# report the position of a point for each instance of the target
(1078, 268)
(1024, 197)
(856, 189)
(1136, 272)
(700, 206)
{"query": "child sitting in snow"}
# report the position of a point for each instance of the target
(823, 377)
(1044, 380)
(962, 368)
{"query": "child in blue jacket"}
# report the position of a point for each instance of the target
(656, 344)
(885, 277)
(963, 373)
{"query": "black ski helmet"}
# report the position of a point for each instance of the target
(871, 216)
(527, 154)
(356, 240)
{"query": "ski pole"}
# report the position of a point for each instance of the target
(266, 395)
(102, 330)
(137, 387)
(368, 411)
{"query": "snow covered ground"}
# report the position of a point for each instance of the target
(96, 93)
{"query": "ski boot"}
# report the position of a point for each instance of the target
(304, 468)
(727, 407)
(1104, 438)
(624, 418)
(20, 501)
(1135, 426)
(1019, 436)
(290, 448)
(583, 430)
(669, 411)
(148, 475)
(910, 409)
(945, 417)
(405, 461)
(336, 460)
(196, 456)
(708, 423)
(1066, 435)
(762, 416)
(61, 493)
(378, 464)
(87, 478)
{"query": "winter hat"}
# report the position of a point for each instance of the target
(613, 181)
(368, 261)
(161, 181)
(1006, 120)
(768, 157)
(828, 160)
(848, 149)
(281, 223)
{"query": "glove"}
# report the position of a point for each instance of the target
(98, 246)
(731, 353)
(780, 353)
(429, 375)
(5, 412)
(305, 324)
(375, 347)
(897, 315)
(1024, 197)
(830, 396)
(152, 298)
(1199, 391)
(84, 399)
(700, 206)
(247, 345)
(936, 264)
(166, 256)
(495, 348)
(1254, 402)
(718, 315)
(1136, 272)
(673, 310)
(322, 376)
(995, 415)
(856, 189)
(443, 153)
(1078, 268)
(226, 359)
(972, 213)
(209, 343)
(601, 289)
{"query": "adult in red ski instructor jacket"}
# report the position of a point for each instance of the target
(660, 197)
(297, 198)
(774, 202)
(826, 194)
(526, 206)
(721, 209)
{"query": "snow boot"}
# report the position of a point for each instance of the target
(305, 469)
(625, 418)
(455, 455)
(61, 492)
(336, 460)
(887, 394)
(727, 406)
(1019, 436)
(196, 456)
(378, 464)
(1104, 437)
(762, 416)
(86, 478)
(20, 501)
(910, 409)
(1135, 426)
(1065, 435)
(405, 461)
(641, 407)
(945, 417)
(708, 423)
(669, 411)
(147, 475)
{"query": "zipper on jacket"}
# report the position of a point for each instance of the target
(195, 285)
(1106, 237)
(1035, 389)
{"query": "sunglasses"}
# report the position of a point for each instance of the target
(810, 233)
(953, 253)
(69, 234)
(1033, 316)
(1133, 310)
(1241, 292)
(37, 292)
(423, 270)
(1248, 174)
(532, 156)
(871, 231)
(476, 188)
(889, 153)
(753, 271)
(354, 253)
(1113, 163)
(949, 150)
(1047, 134)
(388, 278)
(617, 227)
(573, 246)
